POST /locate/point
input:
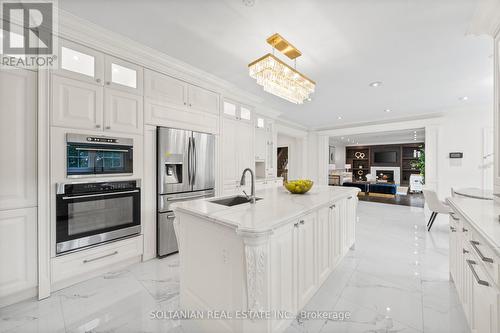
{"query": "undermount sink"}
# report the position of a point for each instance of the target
(233, 201)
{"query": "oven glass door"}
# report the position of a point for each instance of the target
(92, 218)
(83, 159)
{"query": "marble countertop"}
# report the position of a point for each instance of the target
(475, 193)
(277, 207)
(483, 215)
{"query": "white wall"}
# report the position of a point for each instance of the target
(463, 131)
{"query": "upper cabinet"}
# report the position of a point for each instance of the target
(237, 111)
(80, 62)
(122, 75)
(85, 64)
(174, 93)
(265, 146)
(92, 90)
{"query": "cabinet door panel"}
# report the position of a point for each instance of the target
(485, 305)
(76, 104)
(283, 269)
(244, 141)
(260, 144)
(229, 151)
(124, 112)
(81, 63)
(123, 75)
(203, 100)
(17, 139)
(165, 89)
(323, 243)
(18, 250)
(306, 259)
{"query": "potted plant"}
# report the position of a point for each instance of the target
(420, 165)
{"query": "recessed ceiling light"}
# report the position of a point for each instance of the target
(339, 117)
(387, 110)
(376, 84)
(464, 98)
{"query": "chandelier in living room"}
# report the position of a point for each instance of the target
(278, 78)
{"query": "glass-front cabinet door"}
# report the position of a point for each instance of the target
(80, 62)
(123, 75)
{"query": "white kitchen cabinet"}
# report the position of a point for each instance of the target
(260, 144)
(485, 301)
(166, 90)
(124, 111)
(474, 268)
(123, 75)
(306, 258)
(18, 138)
(203, 100)
(237, 151)
(238, 111)
(177, 94)
(18, 250)
(76, 104)
(323, 243)
(283, 257)
(80, 62)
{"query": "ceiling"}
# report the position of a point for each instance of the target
(390, 137)
(417, 49)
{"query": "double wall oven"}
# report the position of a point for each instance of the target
(92, 213)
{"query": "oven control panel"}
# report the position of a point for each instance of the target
(100, 187)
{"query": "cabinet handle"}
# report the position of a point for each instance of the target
(332, 206)
(454, 217)
(465, 230)
(101, 257)
(464, 251)
(296, 225)
(453, 229)
(301, 222)
(97, 126)
(190, 105)
(108, 127)
(483, 258)
(98, 80)
(185, 103)
(478, 280)
(349, 198)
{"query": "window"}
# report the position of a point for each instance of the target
(77, 62)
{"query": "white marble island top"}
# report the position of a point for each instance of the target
(277, 207)
(483, 215)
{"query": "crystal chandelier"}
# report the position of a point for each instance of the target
(278, 78)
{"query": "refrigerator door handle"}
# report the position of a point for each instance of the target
(189, 161)
(195, 162)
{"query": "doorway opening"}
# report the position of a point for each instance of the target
(282, 163)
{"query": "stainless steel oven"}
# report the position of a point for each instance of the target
(98, 155)
(94, 213)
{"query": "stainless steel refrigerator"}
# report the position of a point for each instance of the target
(186, 171)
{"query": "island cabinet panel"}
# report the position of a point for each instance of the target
(323, 243)
(243, 260)
(283, 256)
(306, 258)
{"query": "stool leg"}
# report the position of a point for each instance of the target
(430, 218)
(432, 222)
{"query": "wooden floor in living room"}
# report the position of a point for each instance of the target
(411, 199)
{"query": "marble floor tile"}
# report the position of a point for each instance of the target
(396, 280)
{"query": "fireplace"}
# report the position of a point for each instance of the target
(385, 176)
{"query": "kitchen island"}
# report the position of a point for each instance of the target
(259, 264)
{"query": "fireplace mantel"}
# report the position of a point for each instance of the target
(397, 172)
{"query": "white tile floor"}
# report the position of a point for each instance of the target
(395, 281)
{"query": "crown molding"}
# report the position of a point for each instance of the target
(92, 35)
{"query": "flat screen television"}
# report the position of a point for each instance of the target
(386, 157)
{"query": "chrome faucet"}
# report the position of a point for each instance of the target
(242, 183)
